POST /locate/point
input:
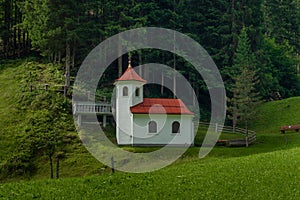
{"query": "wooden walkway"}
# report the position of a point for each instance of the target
(81, 109)
(102, 108)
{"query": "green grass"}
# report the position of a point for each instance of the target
(263, 176)
(274, 114)
(9, 115)
(14, 76)
(268, 169)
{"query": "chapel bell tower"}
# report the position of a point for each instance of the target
(129, 92)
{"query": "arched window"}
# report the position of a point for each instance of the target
(175, 127)
(137, 92)
(152, 127)
(125, 91)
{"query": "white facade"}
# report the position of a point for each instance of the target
(133, 129)
(164, 134)
(124, 100)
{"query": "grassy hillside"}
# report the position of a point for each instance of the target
(266, 170)
(18, 105)
(274, 114)
(9, 115)
(264, 176)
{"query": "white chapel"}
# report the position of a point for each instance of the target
(149, 121)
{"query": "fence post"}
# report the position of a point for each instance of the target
(216, 129)
(112, 164)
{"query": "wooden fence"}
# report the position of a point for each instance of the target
(249, 135)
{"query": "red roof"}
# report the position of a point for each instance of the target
(161, 106)
(130, 75)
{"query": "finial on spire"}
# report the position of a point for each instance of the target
(129, 62)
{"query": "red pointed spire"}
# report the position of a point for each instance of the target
(130, 74)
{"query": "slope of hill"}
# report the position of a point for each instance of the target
(263, 176)
(19, 107)
(9, 116)
(274, 114)
(267, 169)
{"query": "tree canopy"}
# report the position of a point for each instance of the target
(66, 31)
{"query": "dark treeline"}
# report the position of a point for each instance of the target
(64, 31)
(14, 40)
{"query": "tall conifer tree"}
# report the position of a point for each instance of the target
(244, 97)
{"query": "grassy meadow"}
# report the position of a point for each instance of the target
(268, 169)
(273, 175)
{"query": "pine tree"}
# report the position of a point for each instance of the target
(282, 19)
(282, 22)
(244, 97)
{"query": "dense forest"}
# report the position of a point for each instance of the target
(255, 44)
(65, 31)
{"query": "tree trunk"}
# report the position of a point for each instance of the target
(68, 57)
(15, 29)
(51, 166)
(24, 46)
(162, 83)
(14, 41)
(140, 63)
(174, 68)
(20, 50)
(234, 116)
(57, 167)
(119, 58)
(233, 28)
(7, 22)
(73, 56)
(27, 40)
(298, 65)
(234, 122)
(59, 57)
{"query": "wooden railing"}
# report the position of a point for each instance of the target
(250, 136)
(88, 107)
